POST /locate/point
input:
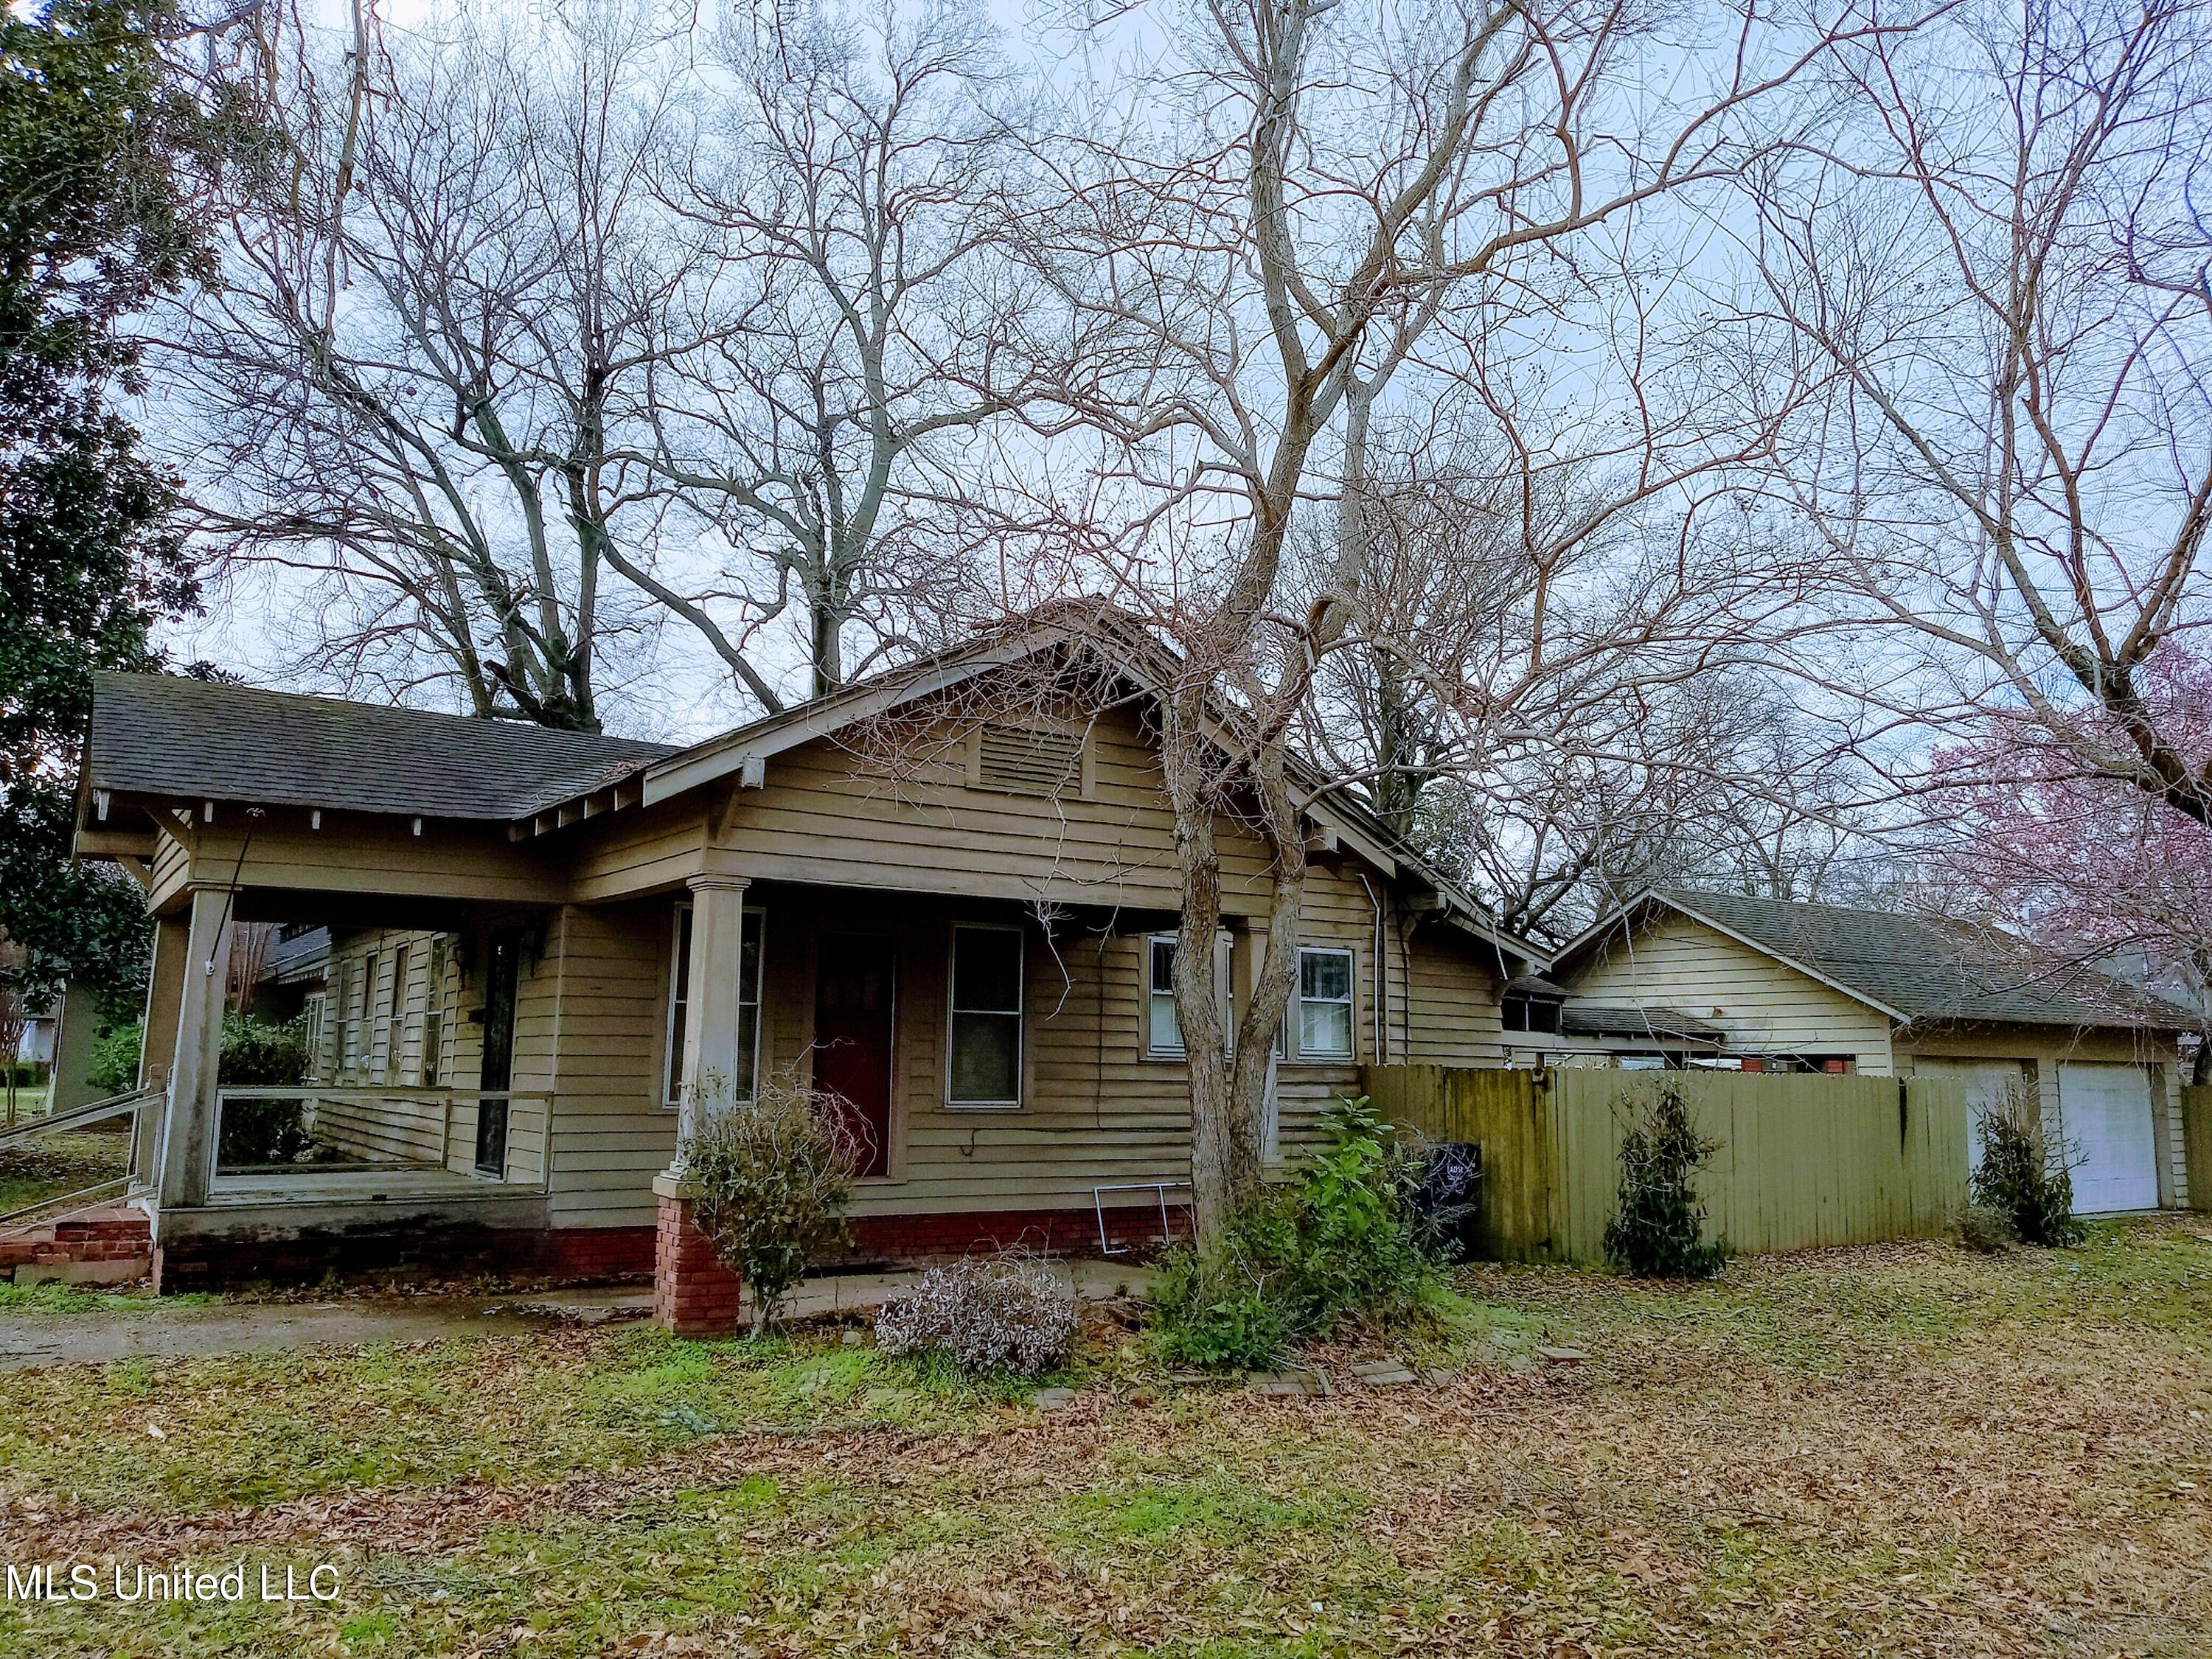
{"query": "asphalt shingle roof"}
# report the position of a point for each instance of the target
(162, 734)
(1927, 969)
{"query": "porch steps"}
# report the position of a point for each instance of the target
(109, 1243)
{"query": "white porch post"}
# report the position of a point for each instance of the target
(187, 1135)
(710, 1023)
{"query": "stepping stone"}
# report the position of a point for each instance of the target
(1293, 1385)
(855, 1339)
(1436, 1377)
(876, 1399)
(1563, 1356)
(1384, 1373)
(1053, 1400)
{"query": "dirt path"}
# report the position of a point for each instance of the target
(155, 1331)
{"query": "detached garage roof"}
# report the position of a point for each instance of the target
(160, 734)
(1915, 969)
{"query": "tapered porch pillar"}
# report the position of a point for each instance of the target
(693, 1293)
(188, 1127)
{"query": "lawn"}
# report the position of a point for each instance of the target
(1905, 1450)
(53, 1166)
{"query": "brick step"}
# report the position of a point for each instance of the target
(110, 1245)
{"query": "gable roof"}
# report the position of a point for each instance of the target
(162, 734)
(1916, 969)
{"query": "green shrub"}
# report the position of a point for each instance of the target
(115, 1058)
(772, 1176)
(1658, 1229)
(1292, 1264)
(261, 1052)
(2020, 1177)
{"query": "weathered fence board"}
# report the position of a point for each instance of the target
(1803, 1160)
(2196, 1143)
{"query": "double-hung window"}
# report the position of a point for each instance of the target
(1163, 1026)
(983, 1046)
(749, 1002)
(1324, 1003)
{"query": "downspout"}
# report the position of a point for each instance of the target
(1382, 980)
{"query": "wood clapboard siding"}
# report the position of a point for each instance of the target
(1450, 1013)
(825, 816)
(359, 855)
(1764, 1007)
(1803, 1161)
(1096, 1110)
(608, 1007)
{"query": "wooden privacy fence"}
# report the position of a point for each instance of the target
(2196, 1143)
(1803, 1160)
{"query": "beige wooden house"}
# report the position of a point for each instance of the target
(945, 905)
(1685, 978)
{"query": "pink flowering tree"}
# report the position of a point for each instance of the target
(2084, 862)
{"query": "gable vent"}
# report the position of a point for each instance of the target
(1029, 762)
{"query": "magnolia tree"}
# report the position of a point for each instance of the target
(2082, 862)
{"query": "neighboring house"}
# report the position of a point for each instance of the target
(1685, 978)
(520, 951)
(40, 1027)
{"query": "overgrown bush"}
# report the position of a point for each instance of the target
(260, 1053)
(987, 1314)
(772, 1175)
(1986, 1229)
(115, 1058)
(2021, 1176)
(1293, 1263)
(1657, 1231)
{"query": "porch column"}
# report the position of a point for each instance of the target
(187, 1135)
(693, 1293)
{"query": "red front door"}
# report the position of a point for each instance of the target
(852, 988)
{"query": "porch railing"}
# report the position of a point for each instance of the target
(307, 1131)
(138, 1108)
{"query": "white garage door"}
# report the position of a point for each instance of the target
(1984, 1080)
(2105, 1111)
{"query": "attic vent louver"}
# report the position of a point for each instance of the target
(1028, 762)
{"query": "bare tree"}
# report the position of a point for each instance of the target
(1998, 260)
(443, 280)
(1336, 183)
(861, 326)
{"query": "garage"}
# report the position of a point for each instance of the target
(2105, 1111)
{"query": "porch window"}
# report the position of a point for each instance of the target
(749, 1001)
(1324, 1003)
(433, 1011)
(395, 1015)
(984, 1050)
(312, 1011)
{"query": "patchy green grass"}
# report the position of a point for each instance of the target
(54, 1166)
(54, 1298)
(1896, 1450)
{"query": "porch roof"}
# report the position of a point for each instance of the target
(162, 734)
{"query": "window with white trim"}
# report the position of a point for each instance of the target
(983, 1045)
(1324, 1003)
(1163, 1025)
(751, 938)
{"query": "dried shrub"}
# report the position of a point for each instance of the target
(2021, 1175)
(1003, 1313)
(1986, 1229)
(1657, 1231)
(772, 1174)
